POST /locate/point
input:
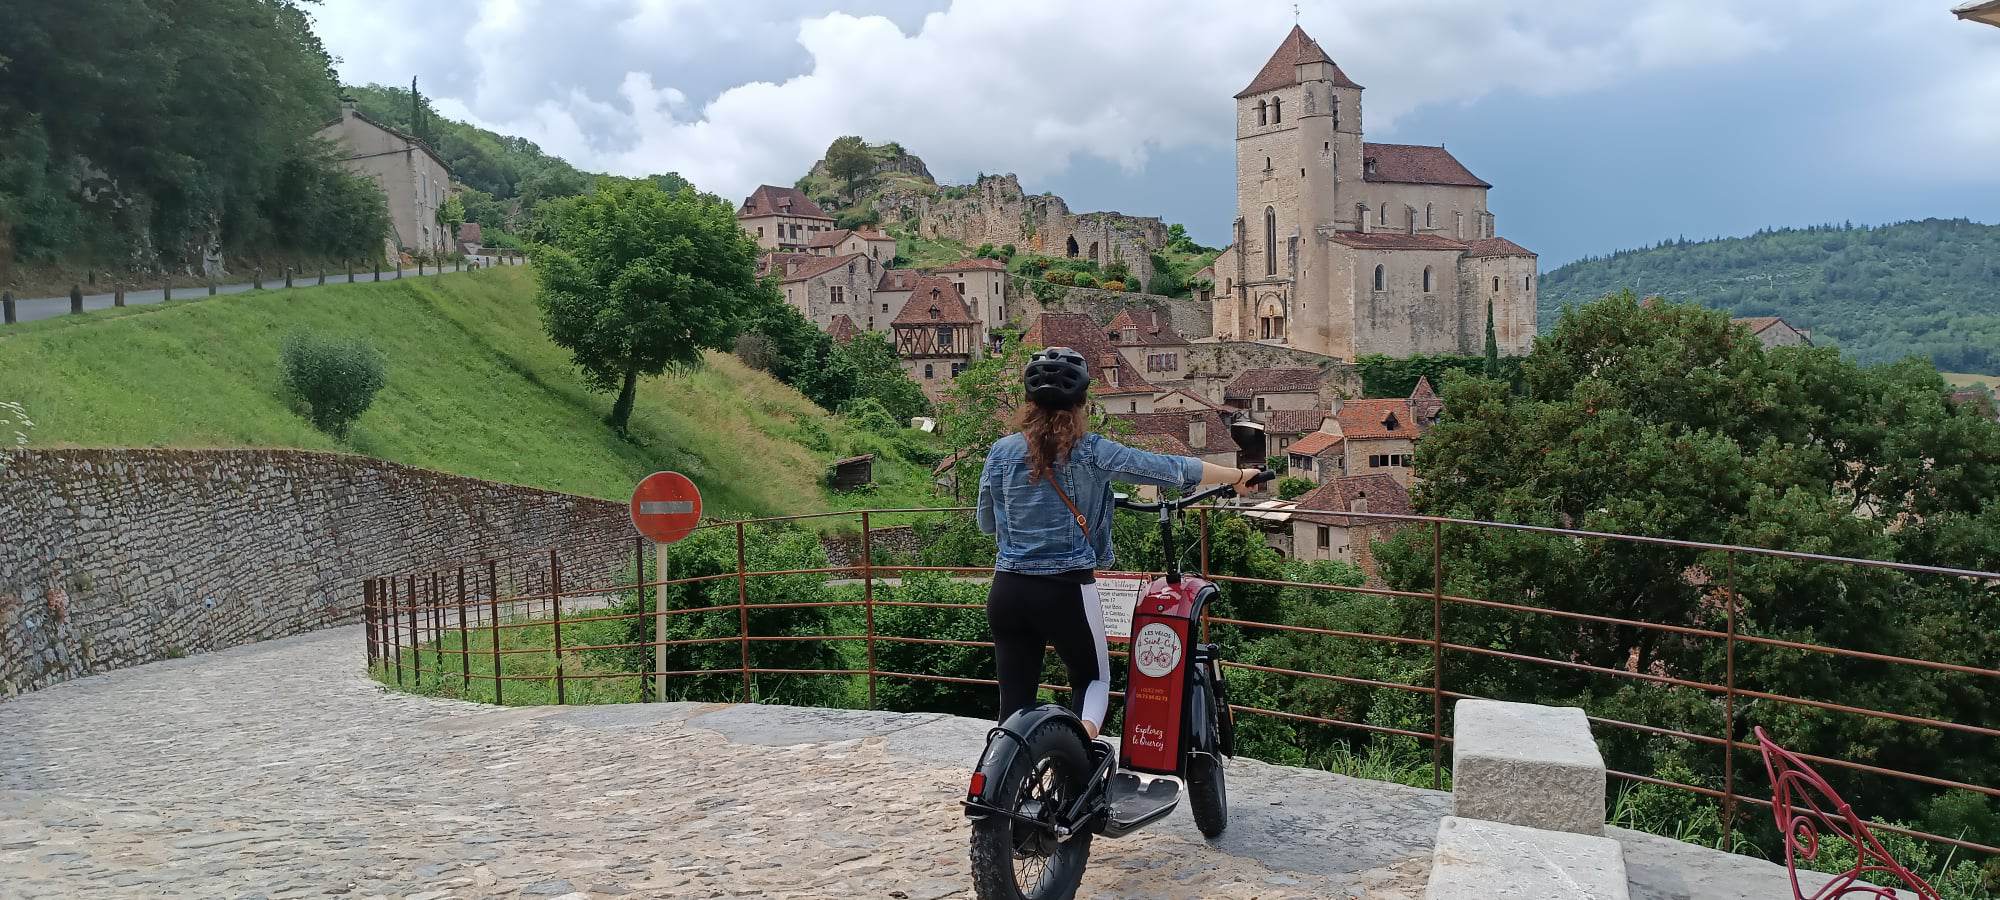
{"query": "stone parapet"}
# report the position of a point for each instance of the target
(1529, 765)
(1479, 860)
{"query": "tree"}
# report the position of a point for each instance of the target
(637, 281)
(336, 380)
(879, 375)
(849, 159)
(1492, 345)
(450, 216)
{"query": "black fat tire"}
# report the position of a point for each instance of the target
(993, 876)
(1208, 794)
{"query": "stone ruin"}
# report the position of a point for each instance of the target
(995, 210)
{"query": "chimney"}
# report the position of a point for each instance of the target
(1198, 432)
(791, 267)
(1358, 504)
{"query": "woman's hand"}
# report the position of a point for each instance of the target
(1243, 485)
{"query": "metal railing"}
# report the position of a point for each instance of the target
(409, 615)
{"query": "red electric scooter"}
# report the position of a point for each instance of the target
(1043, 789)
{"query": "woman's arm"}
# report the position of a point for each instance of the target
(1240, 478)
(1167, 471)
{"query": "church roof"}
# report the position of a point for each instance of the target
(932, 294)
(1395, 240)
(771, 200)
(1415, 164)
(1281, 70)
(1496, 246)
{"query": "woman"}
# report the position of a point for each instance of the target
(1045, 495)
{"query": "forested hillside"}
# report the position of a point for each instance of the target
(149, 135)
(1929, 288)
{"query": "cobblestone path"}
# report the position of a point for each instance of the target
(277, 770)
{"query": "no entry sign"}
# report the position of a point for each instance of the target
(665, 507)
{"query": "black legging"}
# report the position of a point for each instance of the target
(1027, 613)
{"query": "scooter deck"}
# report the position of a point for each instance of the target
(1135, 803)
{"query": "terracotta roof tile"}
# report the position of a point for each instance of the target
(1381, 493)
(771, 200)
(1294, 421)
(933, 301)
(1496, 246)
(1153, 329)
(1081, 333)
(1395, 240)
(1161, 443)
(1416, 164)
(843, 329)
(1174, 423)
(1276, 379)
(1315, 443)
(828, 238)
(1281, 70)
(1376, 419)
(896, 279)
(815, 266)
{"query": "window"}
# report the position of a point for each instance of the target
(944, 338)
(1528, 282)
(1383, 218)
(1260, 404)
(837, 298)
(1325, 537)
(1277, 110)
(850, 269)
(1427, 279)
(1304, 463)
(885, 307)
(1131, 335)
(1261, 110)
(1428, 218)
(1496, 284)
(760, 231)
(1267, 164)
(1381, 281)
(957, 368)
(1270, 241)
(928, 372)
(961, 289)
(1134, 406)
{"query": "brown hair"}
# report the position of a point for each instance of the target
(1050, 434)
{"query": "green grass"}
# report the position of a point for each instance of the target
(474, 388)
(920, 252)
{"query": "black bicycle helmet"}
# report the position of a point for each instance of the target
(1056, 378)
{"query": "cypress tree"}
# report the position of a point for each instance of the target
(1492, 345)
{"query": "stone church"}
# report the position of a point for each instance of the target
(1346, 248)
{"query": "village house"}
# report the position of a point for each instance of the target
(1317, 456)
(1323, 527)
(1284, 426)
(821, 287)
(782, 218)
(1343, 247)
(1773, 331)
(1149, 343)
(845, 241)
(842, 330)
(1273, 388)
(1116, 386)
(1184, 398)
(413, 179)
(936, 335)
(1200, 433)
(1367, 437)
(983, 284)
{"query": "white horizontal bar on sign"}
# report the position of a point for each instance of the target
(665, 507)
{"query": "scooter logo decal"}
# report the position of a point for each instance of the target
(1157, 650)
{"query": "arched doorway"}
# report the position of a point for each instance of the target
(1093, 251)
(1072, 246)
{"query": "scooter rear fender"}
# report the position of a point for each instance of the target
(1005, 745)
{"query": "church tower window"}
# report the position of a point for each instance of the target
(1383, 219)
(1277, 110)
(1262, 111)
(1427, 279)
(1496, 284)
(1270, 241)
(1380, 279)
(1429, 219)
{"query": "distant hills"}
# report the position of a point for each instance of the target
(1929, 288)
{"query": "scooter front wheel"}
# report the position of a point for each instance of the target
(1208, 793)
(1015, 860)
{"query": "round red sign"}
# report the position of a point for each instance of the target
(665, 507)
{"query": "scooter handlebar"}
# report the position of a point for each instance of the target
(1220, 490)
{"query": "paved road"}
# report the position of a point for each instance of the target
(276, 770)
(33, 308)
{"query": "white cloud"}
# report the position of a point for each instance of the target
(1030, 85)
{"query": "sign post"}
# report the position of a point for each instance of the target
(666, 507)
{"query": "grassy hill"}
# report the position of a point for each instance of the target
(1929, 288)
(474, 388)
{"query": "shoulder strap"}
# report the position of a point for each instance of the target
(1080, 521)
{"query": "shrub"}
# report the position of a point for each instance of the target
(869, 414)
(1113, 285)
(1118, 271)
(1085, 280)
(1061, 277)
(1007, 251)
(985, 251)
(334, 379)
(1292, 487)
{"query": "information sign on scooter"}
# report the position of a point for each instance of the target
(666, 506)
(1117, 595)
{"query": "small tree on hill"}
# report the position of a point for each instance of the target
(336, 380)
(849, 159)
(636, 281)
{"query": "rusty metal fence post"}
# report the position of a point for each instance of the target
(416, 645)
(1729, 699)
(868, 600)
(368, 621)
(1437, 659)
(493, 625)
(464, 642)
(555, 618)
(639, 599)
(743, 611)
(436, 618)
(395, 628)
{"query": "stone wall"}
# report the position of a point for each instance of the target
(119, 557)
(994, 210)
(845, 549)
(1025, 301)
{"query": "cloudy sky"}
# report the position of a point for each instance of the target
(1604, 124)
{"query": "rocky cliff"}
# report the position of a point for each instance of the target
(995, 210)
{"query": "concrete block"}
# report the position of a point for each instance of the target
(1478, 860)
(1527, 765)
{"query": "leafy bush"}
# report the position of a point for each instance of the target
(1118, 271)
(1165, 282)
(868, 414)
(1084, 279)
(1292, 487)
(950, 660)
(1113, 285)
(1007, 251)
(1062, 277)
(1280, 463)
(856, 218)
(812, 435)
(985, 251)
(334, 379)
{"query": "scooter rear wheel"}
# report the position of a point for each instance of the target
(1012, 860)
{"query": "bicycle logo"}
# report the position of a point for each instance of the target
(1156, 650)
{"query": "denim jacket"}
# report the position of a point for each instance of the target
(1036, 533)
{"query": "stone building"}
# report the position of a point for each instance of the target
(1366, 437)
(843, 241)
(1322, 528)
(821, 287)
(1264, 390)
(1200, 433)
(994, 210)
(413, 179)
(1282, 427)
(1345, 248)
(1773, 331)
(936, 335)
(1116, 387)
(983, 284)
(782, 218)
(1149, 342)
